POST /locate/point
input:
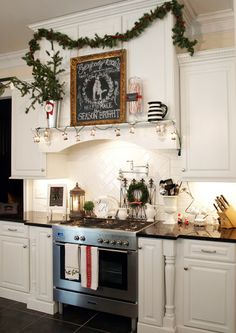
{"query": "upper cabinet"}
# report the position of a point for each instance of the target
(27, 160)
(208, 115)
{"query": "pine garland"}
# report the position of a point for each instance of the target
(46, 84)
(112, 40)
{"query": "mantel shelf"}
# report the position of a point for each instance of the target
(150, 135)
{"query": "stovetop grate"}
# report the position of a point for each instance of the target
(114, 224)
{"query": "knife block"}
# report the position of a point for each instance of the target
(228, 218)
(224, 221)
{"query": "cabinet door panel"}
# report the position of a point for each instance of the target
(208, 118)
(151, 282)
(14, 263)
(209, 295)
(44, 283)
(27, 160)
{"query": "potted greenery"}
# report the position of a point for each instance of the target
(88, 208)
(46, 88)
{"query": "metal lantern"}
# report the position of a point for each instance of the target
(77, 196)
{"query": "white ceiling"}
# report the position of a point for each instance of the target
(16, 15)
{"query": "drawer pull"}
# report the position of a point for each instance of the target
(11, 229)
(186, 268)
(24, 246)
(48, 236)
(208, 251)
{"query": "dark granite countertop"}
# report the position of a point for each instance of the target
(208, 232)
(41, 219)
(157, 230)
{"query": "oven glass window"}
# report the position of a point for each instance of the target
(113, 269)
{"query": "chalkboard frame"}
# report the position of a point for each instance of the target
(87, 108)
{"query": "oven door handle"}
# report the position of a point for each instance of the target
(59, 243)
(99, 249)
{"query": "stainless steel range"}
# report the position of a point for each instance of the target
(116, 241)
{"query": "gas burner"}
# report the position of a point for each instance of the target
(112, 224)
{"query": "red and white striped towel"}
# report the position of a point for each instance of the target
(89, 267)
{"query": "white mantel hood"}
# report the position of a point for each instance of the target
(145, 135)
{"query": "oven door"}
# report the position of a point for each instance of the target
(117, 274)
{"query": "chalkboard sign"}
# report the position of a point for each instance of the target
(98, 89)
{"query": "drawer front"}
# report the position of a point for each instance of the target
(210, 250)
(13, 229)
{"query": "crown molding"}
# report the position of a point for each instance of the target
(215, 22)
(212, 54)
(94, 14)
(12, 59)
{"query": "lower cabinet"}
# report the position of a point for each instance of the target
(41, 262)
(151, 284)
(14, 261)
(209, 286)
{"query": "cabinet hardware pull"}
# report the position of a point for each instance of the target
(183, 169)
(42, 170)
(48, 236)
(186, 268)
(208, 251)
(24, 246)
(11, 229)
(140, 247)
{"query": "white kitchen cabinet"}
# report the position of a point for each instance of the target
(208, 115)
(209, 286)
(27, 160)
(41, 293)
(14, 259)
(151, 285)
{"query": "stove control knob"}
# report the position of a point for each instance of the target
(126, 243)
(82, 238)
(76, 238)
(119, 242)
(106, 241)
(100, 240)
(113, 242)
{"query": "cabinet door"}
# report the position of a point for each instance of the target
(209, 295)
(27, 160)
(14, 263)
(208, 117)
(151, 281)
(44, 273)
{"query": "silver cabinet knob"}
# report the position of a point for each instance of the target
(183, 169)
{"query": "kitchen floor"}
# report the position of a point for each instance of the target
(16, 318)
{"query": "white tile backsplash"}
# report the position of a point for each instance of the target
(95, 166)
